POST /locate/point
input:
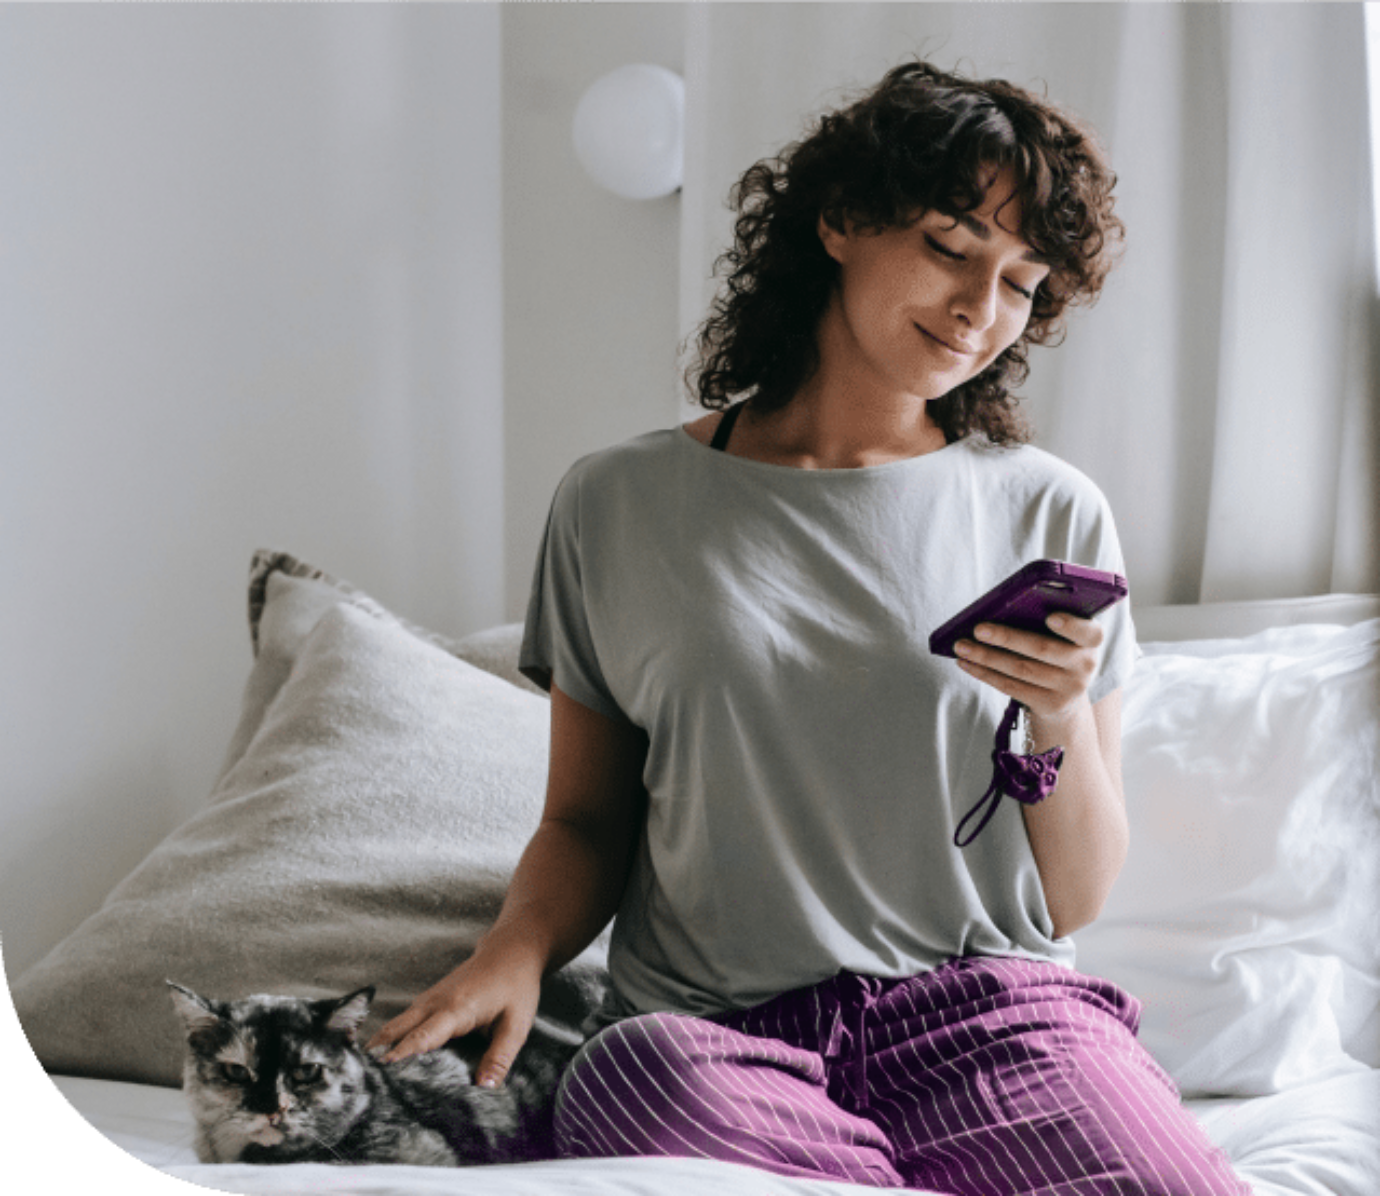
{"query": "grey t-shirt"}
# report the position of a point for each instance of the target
(808, 758)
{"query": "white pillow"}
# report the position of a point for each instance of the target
(1245, 916)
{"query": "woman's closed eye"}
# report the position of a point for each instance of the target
(954, 256)
(943, 250)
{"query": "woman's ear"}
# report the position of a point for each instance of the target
(834, 240)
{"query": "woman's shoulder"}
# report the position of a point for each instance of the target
(1032, 468)
(611, 470)
(703, 429)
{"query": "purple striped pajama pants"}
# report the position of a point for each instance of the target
(984, 1077)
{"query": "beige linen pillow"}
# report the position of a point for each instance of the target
(288, 596)
(364, 834)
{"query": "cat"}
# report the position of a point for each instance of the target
(275, 1079)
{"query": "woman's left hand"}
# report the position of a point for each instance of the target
(1048, 674)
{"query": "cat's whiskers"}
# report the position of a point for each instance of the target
(326, 1146)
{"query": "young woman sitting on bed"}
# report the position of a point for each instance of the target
(757, 766)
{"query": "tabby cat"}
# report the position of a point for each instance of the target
(281, 1080)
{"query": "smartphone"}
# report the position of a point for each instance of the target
(1029, 596)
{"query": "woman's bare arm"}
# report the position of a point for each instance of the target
(567, 886)
(1079, 835)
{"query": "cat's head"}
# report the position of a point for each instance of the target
(280, 1074)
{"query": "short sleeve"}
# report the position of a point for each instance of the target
(557, 643)
(1119, 651)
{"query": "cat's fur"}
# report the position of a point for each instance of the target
(282, 1080)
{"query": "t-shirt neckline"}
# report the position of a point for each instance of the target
(901, 463)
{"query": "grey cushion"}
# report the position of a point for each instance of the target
(372, 808)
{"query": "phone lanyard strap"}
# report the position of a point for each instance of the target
(1028, 779)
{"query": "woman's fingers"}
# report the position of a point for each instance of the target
(1047, 673)
(431, 1021)
(1025, 692)
(1083, 632)
(1071, 637)
(509, 1033)
(393, 1031)
(469, 999)
(431, 1035)
(419, 1029)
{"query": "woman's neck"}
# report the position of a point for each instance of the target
(846, 415)
(835, 428)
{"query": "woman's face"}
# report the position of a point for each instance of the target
(922, 309)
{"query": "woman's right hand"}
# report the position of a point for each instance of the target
(567, 886)
(491, 992)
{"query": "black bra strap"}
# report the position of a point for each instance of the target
(725, 428)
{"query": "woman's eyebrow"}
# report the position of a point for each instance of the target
(983, 233)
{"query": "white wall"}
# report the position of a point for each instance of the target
(250, 294)
(590, 280)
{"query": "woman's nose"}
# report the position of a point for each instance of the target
(976, 301)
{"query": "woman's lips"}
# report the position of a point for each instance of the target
(943, 344)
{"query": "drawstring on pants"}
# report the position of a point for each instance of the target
(856, 995)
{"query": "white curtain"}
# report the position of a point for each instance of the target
(1221, 393)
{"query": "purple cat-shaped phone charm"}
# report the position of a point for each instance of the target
(1029, 779)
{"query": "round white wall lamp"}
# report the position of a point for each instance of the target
(630, 131)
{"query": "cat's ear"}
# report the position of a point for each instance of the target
(346, 1013)
(198, 1014)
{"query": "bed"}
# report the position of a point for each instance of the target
(382, 780)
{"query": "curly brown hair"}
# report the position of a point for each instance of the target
(922, 140)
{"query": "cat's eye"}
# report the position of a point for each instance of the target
(306, 1073)
(235, 1072)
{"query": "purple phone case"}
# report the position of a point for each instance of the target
(1029, 596)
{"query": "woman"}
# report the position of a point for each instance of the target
(757, 766)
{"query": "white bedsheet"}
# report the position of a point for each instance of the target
(1319, 1140)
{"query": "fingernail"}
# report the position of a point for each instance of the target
(982, 633)
(488, 1082)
